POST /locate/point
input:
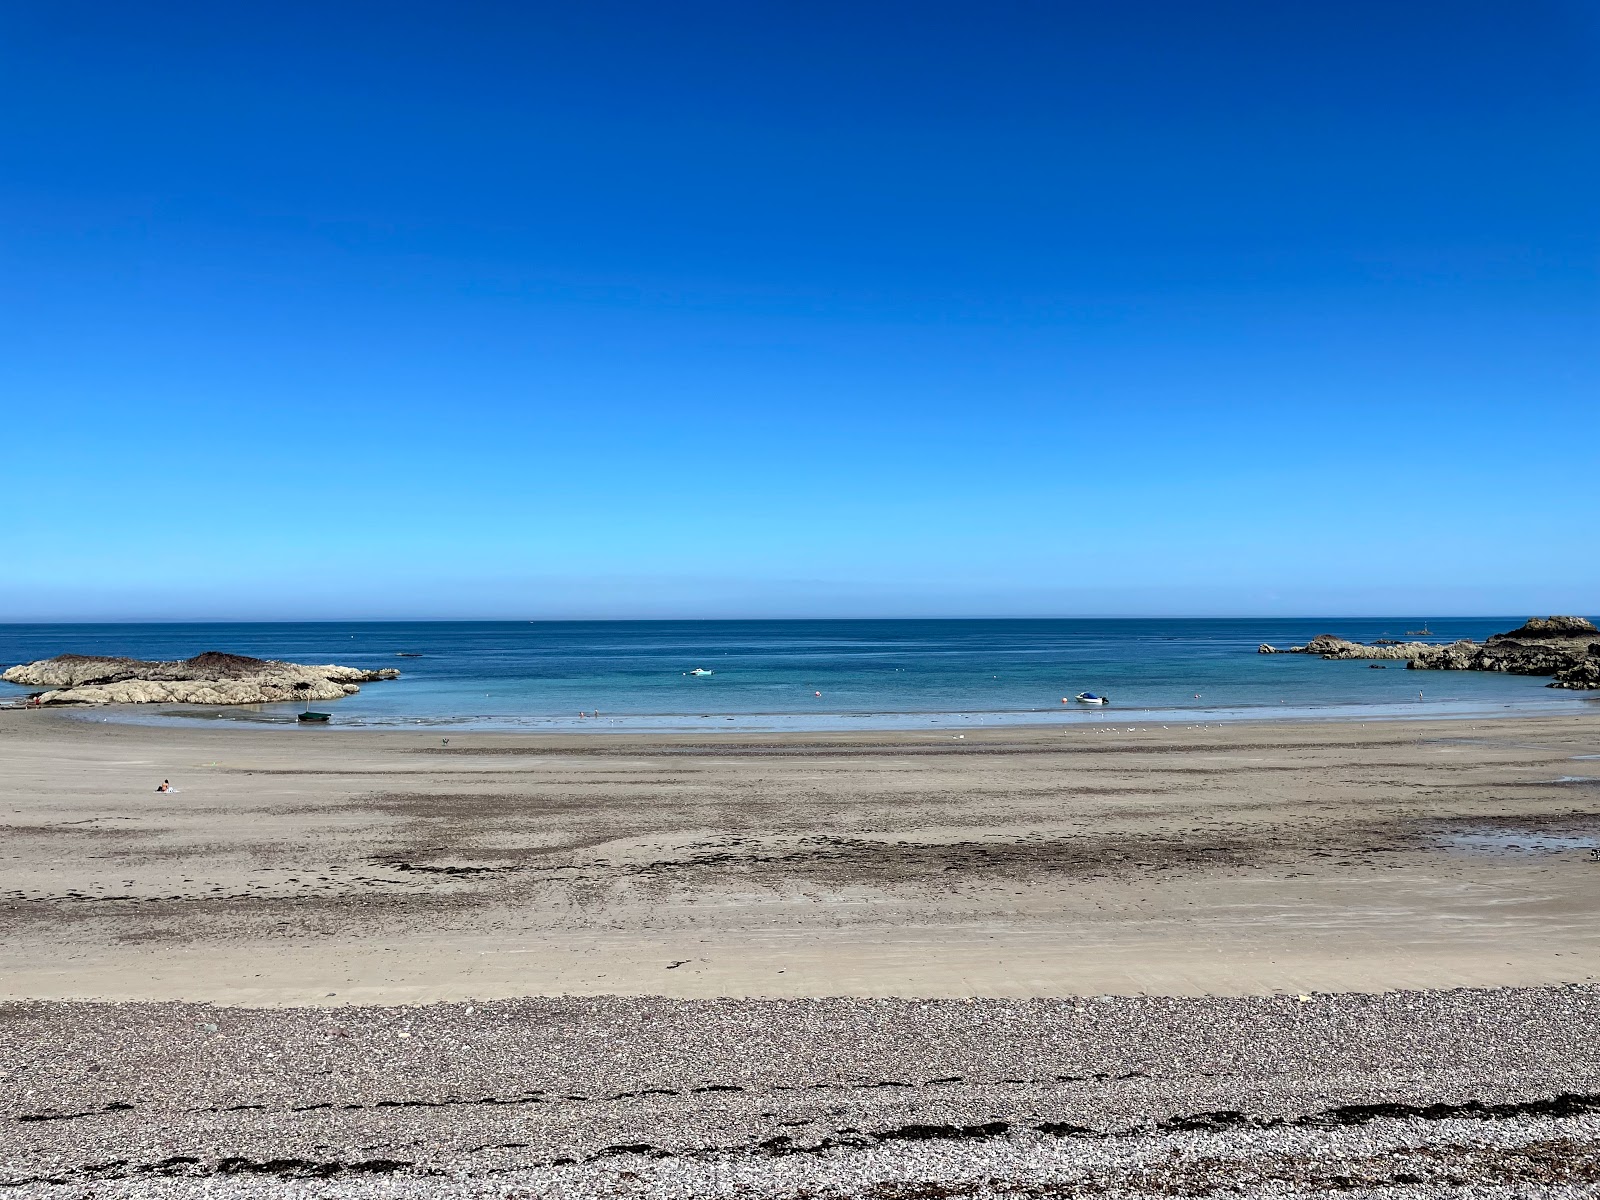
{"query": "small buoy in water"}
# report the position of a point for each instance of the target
(816, 693)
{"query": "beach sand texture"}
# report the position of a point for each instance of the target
(326, 867)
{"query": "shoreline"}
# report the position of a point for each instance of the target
(797, 724)
(1574, 708)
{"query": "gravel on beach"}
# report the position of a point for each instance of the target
(1401, 1094)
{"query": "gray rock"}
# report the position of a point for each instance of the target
(1328, 645)
(1583, 675)
(1550, 627)
(209, 678)
(1562, 647)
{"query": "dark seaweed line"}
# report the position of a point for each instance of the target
(537, 1096)
(1567, 1104)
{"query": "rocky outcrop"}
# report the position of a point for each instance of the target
(209, 678)
(1567, 648)
(1511, 658)
(1327, 645)
(1583, 675)
(1542, 628)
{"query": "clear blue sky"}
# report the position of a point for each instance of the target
(462, 310)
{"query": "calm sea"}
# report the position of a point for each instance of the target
(820, 674)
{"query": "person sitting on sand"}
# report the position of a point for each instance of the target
(166, 786)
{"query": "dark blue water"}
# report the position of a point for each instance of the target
(870, 673)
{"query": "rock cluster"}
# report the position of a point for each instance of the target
(1551, 627)
(1581, 676)
(1327, 645)
(209, 678)
(1567, 648)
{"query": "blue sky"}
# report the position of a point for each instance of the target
(616, 310)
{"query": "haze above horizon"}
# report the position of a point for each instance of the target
(613, 311)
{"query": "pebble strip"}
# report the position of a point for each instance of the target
(1404, 1094)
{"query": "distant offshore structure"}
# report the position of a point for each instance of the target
(1566, 647)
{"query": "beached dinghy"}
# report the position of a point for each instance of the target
(314, 718)
(1091, 698)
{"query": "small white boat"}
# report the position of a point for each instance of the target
(701, 671)
(1091, 698)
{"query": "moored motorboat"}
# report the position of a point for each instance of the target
(700, 671)
(1091, 698)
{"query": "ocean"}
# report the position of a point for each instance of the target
(818, 675)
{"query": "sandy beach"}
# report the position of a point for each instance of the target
(326, 867)
(749, 965)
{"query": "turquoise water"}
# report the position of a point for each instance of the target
(894, 674)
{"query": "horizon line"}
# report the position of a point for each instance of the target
(1245, 616)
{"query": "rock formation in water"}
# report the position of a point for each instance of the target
(1567, 648)
(1327, 645)
(209, 678)
(1542, 628)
